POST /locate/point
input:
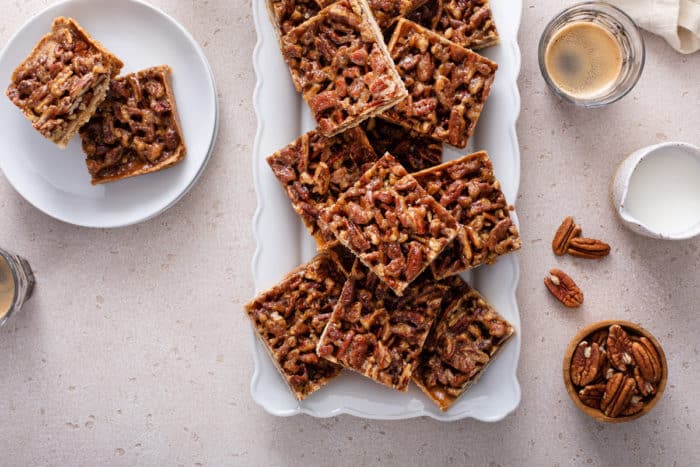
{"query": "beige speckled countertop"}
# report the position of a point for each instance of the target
(134, 349)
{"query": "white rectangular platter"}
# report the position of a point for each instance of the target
(283, 243)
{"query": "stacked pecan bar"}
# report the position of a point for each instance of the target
(62, 81)
(391, 223)
(135, 130)
(376, 333)
(468, 23)
(469, 190)
(339, 61)
(461, 345)
(290, 317)
(315, 169)
(447, 84)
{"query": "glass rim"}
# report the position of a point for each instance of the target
(598, 7)
(15, 282)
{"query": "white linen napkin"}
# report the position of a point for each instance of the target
(677, 21)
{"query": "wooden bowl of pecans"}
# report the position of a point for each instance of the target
(615, 371)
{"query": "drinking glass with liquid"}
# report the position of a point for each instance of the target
(16, 284)
(591, 54)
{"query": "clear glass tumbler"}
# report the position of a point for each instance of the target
(16, 284)
(622, 28)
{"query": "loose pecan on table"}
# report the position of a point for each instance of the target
(339, 61)
(564, 288)
(589, 248)
(290, 317)
(391, 223)
(566, 232)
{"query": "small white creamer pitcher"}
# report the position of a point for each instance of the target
(656, 191)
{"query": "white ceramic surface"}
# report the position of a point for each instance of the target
(620, 185)
(283, 243)
(56, 181)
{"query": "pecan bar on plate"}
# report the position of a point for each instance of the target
(464, 340)
(290, 317)
(378, 334)
(135, 131)
(288, 14)
(414, 151)
(339, 61)
(468, 23)
(60, 84)
(391, 223)
(469, 190)
(447, 84)
(314, 170)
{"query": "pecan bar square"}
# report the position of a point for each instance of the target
(414, 151)
(290, 317)
(60, 84)
(386, 12)
(314, 170)
(468, 23)
(376, 333)
(469, 190)
(464, 340)
(391, 223)
(288, 14)
(135, 131)
(447, 84)
(339, 61)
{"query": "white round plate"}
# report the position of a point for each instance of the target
(56, 181)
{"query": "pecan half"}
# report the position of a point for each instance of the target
(635, 406)
(644, 386)
(588, 248)
(567, 231)
(592, 394)
(586, 363)
(564, 288)
(651, 369)
(617, 396)
(619, 347)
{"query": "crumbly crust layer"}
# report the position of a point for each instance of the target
(469, 190)
(314, 170)
(447, 84)
(135, 131)
(60, 84)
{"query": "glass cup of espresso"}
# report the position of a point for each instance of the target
(591, 54)
(16, 284)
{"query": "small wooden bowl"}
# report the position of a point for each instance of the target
(573, 393)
